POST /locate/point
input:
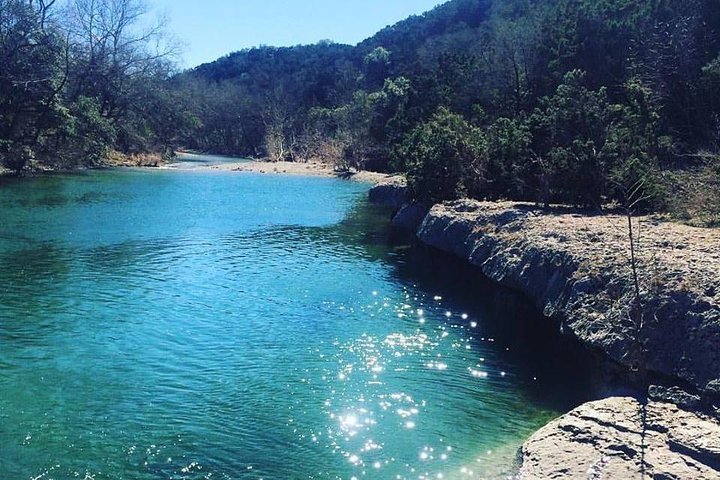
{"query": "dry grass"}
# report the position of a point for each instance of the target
(670, 253)
(695, 194)
(117, 159)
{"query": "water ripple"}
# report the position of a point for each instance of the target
(234, 333)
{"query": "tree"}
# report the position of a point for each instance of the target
(32, 76)
(445, 158)
(511, 60)
(117, 60)
(569, 132)
(376, 66)
(632, 147)
(509, 169)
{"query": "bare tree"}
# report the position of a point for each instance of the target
(277, 122)
(114, 47)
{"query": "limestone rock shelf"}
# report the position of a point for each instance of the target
(576, 269)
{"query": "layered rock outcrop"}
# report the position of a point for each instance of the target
(577, 269)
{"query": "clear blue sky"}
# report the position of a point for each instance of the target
(212, 28)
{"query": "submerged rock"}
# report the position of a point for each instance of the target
(623, 438)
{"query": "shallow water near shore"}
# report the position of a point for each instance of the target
(209, 325)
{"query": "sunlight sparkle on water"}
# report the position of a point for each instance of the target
(367, 357)
(218, 293)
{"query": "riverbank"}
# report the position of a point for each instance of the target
(576, 268)
(112, 160)
(151, 160)
(116, 159)
(312, 169)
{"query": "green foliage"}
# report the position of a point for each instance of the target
(30, 81)
(569, 132)
(445, 158)
(88, 134)
(575, 101)
(75, 85)
(509, 171)
(376, 65)
(632, 147)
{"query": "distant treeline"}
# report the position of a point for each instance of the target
(576, 101)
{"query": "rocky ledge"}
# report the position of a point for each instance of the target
(391, 192)
(623, 438)
(577, 269)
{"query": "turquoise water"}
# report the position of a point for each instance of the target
(199, 325)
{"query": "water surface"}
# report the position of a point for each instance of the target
(200, 325)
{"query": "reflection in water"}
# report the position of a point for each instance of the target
(254, 327)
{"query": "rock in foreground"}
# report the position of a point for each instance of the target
(622, 438)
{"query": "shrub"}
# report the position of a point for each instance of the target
(445, 158)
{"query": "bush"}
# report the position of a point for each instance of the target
(569, 132)
(509, 159)
(695, 194)
(445, 158)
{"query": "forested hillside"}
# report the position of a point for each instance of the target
(579, 101)
(575, 101)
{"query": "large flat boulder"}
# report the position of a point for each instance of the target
(623, 438)
(390, 192)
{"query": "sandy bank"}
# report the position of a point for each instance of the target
(311, 169)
